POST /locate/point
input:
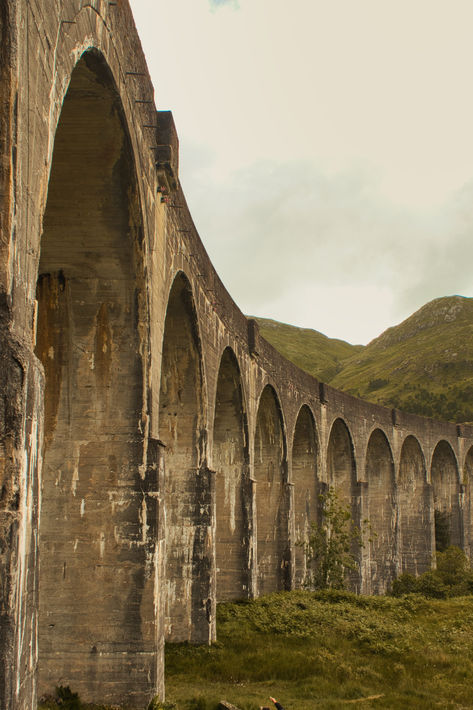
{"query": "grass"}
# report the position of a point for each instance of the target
(329, 650)
(325, 650)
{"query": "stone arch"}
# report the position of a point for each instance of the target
(305, 482)
(341, 470)
(270, 470)
(379, 474)
(468, 504)
(341, 476)
(187, 490)
(231, 463)
(445, 481)
(415, 521)
(90, 312)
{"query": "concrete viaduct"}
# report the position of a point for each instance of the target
(156, 454)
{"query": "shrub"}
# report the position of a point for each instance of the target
(451, 578)
(404, 584)
(329, 552)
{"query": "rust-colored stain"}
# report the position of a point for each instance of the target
(102, 347)
(51, 343)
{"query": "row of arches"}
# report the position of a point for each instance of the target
(231, 511)
(264, 503)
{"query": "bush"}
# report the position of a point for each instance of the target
(431, 586)
(451, 578)
(404, 584)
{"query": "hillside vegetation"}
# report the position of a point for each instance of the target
(310, 350)
(324, 650)
(330, 650)
(424, 365)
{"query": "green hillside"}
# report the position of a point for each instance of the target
(424, 365)
(310, 350)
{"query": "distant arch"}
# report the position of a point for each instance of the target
(379, 474)
(231, 463)
(446, 491)
(416, 526)
(341, 469)
(181, 428)
(305, 455)
(270, 470)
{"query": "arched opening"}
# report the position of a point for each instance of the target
(468, 506)
(271, 497)
(446, 489)
(304, 478)
(341, 463)
(230, 461)
(416, 529)
(380, 478)
(93, 582)
(341, 474)
(187, 492)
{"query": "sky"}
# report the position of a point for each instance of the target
(326, 150)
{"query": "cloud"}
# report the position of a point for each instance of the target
(329, 251)
(217, 4)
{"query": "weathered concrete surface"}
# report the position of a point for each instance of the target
(183, 456)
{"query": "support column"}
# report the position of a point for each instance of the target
(21, 431)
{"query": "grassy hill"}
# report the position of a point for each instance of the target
(310, 350)
(424, 365)
(330, 650)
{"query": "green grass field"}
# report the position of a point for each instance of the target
(330, 650)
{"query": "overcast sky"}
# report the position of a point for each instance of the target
(326, 150)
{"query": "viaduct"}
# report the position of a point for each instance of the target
(156, 454)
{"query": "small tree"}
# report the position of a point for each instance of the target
(332, 545)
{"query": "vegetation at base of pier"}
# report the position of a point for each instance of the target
(324, 650)
(452, 577)
(423, 366)
(332, 546)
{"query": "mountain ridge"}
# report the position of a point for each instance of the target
(423, 365)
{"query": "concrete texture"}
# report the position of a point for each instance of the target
(156, 454)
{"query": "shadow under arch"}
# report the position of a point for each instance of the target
(445, 481)
(341, 476)
(415, 517)
(188, 481)
(230, 459)
(305, 459)
(270, 472)
(95, 588)
(379, 474)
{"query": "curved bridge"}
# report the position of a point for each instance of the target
(157, 455)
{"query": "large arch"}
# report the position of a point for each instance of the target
(271, 495)
(94, 588)
(187, 496)
(415, 521)
(231, 463)
(341, 475)
(381, 505)
(305, 482)
(446, 491)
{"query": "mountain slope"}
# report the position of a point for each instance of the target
(424, 365)
(310, 350)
